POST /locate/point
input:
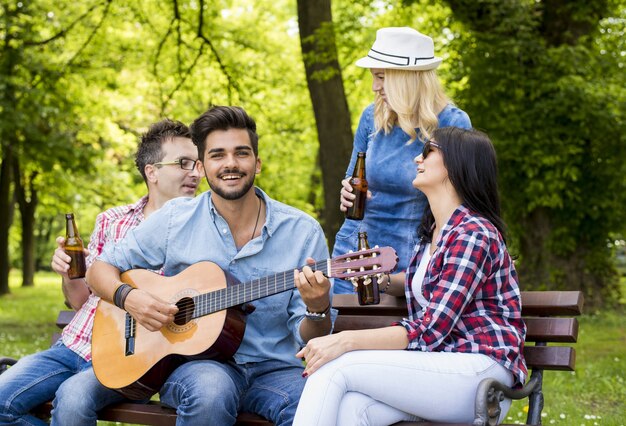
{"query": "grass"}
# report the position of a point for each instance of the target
(593, 395)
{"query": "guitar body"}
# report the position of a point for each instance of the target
(155, 355)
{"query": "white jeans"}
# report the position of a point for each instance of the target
(385, 387)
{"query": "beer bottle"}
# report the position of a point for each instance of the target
(367, 287)
(74, 248)
(359, 188)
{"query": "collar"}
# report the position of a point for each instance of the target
(269, 217)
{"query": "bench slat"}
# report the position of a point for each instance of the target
(563, 330)
(151, 413)
(551, 303)
(562, 358)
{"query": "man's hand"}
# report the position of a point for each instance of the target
(314, 288)
(148, 310)
(60, 260)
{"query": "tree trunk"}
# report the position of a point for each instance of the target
(27, 201)
(332, 116)
(6, 217)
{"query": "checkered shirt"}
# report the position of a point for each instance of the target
(474, 302)
(111, 225)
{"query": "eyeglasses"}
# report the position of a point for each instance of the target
(428, 147)
(184, 163)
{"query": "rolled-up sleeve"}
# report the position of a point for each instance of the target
(462, 272)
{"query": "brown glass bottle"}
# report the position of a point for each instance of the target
(74, 248)
(359, 188)
(367, 287)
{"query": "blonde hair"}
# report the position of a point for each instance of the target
(415, 98)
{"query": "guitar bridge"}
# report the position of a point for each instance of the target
(129, 335)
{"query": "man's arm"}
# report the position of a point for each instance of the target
(150, 311)
(314, 288)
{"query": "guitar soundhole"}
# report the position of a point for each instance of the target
(185, 311)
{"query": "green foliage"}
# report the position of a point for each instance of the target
(556, 115)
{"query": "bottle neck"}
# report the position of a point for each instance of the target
(70, 228)
(359, 168)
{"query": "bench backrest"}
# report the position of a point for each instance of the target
(549, 317)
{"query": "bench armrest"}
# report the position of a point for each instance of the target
(5, 363)
(489, 394)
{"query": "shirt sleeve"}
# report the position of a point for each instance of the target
(361, 137)
(98, 238)
(464, 268)
(144, 246)
(459, 118)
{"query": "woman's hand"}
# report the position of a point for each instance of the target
(321, 350)
(346, 197)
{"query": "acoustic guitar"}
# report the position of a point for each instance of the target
(210, 322)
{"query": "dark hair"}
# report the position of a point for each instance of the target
(470, 158)
(223, 118)
(149, 151)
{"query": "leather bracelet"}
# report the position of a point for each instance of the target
(317, 316)
(119, 298)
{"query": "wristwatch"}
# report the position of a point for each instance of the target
(317, 316)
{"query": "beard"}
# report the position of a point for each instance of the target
(234, 193)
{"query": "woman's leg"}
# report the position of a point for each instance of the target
(422, 384)
(357, 409)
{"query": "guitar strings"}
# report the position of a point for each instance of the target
(228, 297)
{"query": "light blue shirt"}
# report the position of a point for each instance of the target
(393, 214)
(189, 230)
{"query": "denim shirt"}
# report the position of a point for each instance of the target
(393, 214)
(189, 230)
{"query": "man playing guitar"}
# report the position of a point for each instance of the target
(239, 228)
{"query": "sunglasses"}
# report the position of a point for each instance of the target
(428, 147)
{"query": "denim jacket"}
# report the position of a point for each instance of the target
(393, 214)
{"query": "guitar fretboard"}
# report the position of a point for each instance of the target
(240, 293)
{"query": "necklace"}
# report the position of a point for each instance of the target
(258, 215)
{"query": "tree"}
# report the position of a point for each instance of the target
(332, 116)
(553, 102)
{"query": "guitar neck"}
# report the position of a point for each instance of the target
(241, 293)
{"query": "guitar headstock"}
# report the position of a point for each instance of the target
(379, 260)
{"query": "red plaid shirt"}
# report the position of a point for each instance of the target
(473, 297)
(111, 225)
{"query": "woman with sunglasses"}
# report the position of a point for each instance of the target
(464, 322)
(409, 104)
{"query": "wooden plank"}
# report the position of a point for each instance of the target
(64, 318)
(152, 413)
(552, 303)
(562, 330)
(347, 304)
(561, 358)
(361, 322)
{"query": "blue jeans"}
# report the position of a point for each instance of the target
(212, 393)
(57, 373)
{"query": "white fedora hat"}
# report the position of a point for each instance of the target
(401, 48)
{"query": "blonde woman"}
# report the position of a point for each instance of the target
(410, 104)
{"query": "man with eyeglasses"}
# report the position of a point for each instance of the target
(168, 162)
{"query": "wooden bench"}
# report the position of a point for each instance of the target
(549, 316)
